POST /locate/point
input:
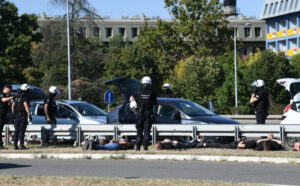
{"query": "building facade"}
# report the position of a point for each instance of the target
(282, 26)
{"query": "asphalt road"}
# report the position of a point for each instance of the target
(130, 169)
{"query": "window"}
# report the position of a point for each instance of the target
(166, 114)
(272, 46)
(40, 110)
(96, 31)
(270, 10)
(271, 27)
(134, 32)
(296, 4)
(282, 45)
(286, 5)
(275, 8)
(62, 112)
(292, 43)
(245, 51)
(82, 31)
(293, 22)
(266, 8)
(121, 31)
(282, 25)
(281, 6)
(108, 32)
(247, 32)
(257, 32)
(291, 5)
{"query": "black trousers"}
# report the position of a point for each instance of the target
(232, 145)
(2, 123)
(261, 117)
(143, 127)
(20, 128)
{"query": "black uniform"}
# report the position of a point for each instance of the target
(52, 108)
(262, 105)
(168, 93)
(3, 113)
(145, 99)
(21, 118)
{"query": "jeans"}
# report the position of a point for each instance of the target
(143, 127)
(20, 128)
(109, 146)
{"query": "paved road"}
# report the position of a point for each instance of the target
(236, 172)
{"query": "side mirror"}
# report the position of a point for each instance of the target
(176, 116)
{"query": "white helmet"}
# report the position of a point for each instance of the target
(25, 87)
(258, 83)
(167, 85)
(146, 80)
(296, 98)
(54, 90)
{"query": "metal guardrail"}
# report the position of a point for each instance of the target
(194, 131)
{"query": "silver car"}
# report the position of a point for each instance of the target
(69, 112)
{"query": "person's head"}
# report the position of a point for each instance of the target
(258, 83)
(102, 142)
(146, 81)
(270, 136)
(113, 141)
(54, 90)
(25, 87)
(7, 89)
(167, 87)
(267, 145)
(158, 146)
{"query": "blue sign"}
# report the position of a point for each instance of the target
(109, 97)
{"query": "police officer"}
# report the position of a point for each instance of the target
(167, 91)
(146, 100)
(50, 109)
(260, 100)
(5, 98)
(21, 111)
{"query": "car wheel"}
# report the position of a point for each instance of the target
(290, 142)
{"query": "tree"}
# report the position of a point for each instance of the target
(16, 37)
(296, 64)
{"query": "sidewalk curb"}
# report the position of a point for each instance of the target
(152, 157)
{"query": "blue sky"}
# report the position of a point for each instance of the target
(115, 8)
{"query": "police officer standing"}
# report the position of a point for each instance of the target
(146, 100)
(21, 111)
(167, 91)
(50, 109)
(260, 100)
(5, 98)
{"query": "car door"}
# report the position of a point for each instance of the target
(166, 114)
(126, 116)
(65, 116)
(38, 114)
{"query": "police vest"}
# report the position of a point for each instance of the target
(144, 99)
(52, 107)
(19, 104)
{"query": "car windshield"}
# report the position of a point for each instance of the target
(192, 109)
(86, 109)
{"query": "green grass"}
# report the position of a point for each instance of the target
(45, 181)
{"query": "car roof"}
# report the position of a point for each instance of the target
(61, 101)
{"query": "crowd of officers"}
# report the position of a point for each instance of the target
(17, 106)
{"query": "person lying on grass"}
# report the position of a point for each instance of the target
(168, 144)
(111, 145)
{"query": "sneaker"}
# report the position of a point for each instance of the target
(146, 148)
(200, 145)
(138, 148)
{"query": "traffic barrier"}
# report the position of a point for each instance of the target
(79, 131)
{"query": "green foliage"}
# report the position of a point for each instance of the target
(296, 64)
(199, 79)
(16, 37)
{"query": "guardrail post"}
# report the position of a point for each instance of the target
(236, 133)
(6, 135)
(43, 137)
(194, 132)
(154, 134)
(116, 133)
(79, 136)
(282, 136)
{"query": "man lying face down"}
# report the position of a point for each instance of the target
(269, 144)
(168, 144)
(111, 145)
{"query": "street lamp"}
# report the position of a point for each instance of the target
(235, 66)
(69, 54)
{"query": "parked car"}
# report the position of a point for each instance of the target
(35, 93)
(172, 110)
(69, 112)
(291, 113)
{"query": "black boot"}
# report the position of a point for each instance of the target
(16, 147)
(138, 147)
(146, 148)
(22, 147)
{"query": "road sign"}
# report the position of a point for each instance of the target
(109, 97)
